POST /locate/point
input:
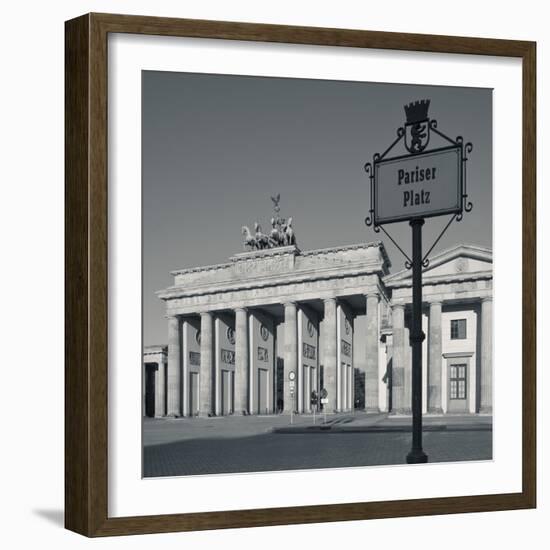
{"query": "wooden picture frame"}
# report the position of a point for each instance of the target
(86, 283)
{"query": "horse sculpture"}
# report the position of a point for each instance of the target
(249, 241)
(276, 235)
(262, 241)
(289, 236)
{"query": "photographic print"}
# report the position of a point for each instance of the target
(279, 325)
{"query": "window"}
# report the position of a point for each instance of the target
(457, 379)
(458, 329)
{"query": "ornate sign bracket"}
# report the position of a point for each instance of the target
(415, 134)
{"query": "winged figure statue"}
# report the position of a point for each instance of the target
(276, 201)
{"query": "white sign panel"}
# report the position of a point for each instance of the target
(418, 186)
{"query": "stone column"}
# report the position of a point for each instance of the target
(486, 402)
(434, 358)
(350, 387)
(144, 388)
(372, 341)
(330, 343)
(407, 370)
(207, 364)
(276, 358)
(159, 390)
(388, 405)
(398, 358)
(241, 361)
(174, 407)
(291, 356)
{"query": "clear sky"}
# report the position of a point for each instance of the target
(216, 147)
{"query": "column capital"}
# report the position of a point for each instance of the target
(174, 321)
(372, 295)
(243, 308)
(486, 299)
(329, 300)
(289, 303)
(206, 313)
(435, 303)
(398, 306)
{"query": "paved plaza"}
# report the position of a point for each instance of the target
(231, 444)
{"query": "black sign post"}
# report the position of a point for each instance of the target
(416, 454)
(411, 187)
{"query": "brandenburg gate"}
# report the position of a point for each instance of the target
(223, 320)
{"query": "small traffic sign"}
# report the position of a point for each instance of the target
(291, 375)
(324, 401)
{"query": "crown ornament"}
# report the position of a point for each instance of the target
(417, 111)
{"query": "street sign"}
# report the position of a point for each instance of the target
(418, 186)
(412, 187)
(324, 400)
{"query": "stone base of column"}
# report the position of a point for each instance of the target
(486, 410)
(372, 410)
(435, 410)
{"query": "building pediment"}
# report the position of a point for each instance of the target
(462, 262)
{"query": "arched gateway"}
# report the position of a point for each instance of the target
(237, 330)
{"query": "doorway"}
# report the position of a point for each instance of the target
(306, 392)
(150, 372)
(457, 384)
(227, 392)
(346, 395)
(193, 394)
(263, 391)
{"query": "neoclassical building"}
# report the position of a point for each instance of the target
(261, 332)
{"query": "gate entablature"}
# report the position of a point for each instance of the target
(277, 275)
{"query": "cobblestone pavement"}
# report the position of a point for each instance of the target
(174, 447)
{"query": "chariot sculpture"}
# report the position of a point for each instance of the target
(281, 233)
